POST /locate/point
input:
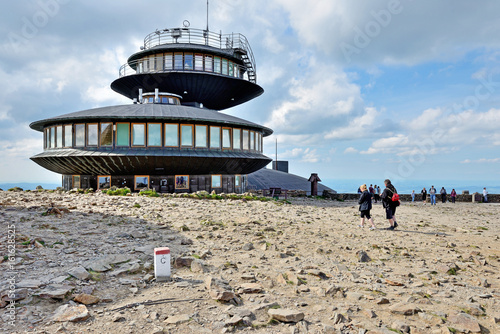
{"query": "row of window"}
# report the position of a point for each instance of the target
(184, 61)
(142, 182)
(151, 135)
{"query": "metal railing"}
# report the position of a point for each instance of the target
(234, 41)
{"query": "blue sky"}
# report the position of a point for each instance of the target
(353, 89)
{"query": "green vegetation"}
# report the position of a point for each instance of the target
(114, 191)
(149, 193)
(16, 189)
(137, 205)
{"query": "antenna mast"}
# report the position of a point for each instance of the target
(207, 15)
(276, 165)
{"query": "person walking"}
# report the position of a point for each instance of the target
(413, 196)
(432, 192)
(365, 205)
(453, 195)
(388, 204)
(443, 195)
(424, 195)
(376, 197)
(485, 195)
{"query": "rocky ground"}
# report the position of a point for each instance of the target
(245, 266)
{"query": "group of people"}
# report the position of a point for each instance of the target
(432, 194)
(389, 198)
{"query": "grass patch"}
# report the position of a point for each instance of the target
(452, 271)
(149, 193)
(117, 191)
(137, 205)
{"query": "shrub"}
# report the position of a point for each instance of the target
(149, 193)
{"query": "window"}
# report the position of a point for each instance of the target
(237, 180)
(178, 61)
(171, 135)
(257, 137)
(92, 134)
(198, 62)
(59, 136)
(231, 71)
(188, 61)
(79, 135)
(226, 138)
(139, 134)
(171, 100)
(201, 136)
(106, 134)
(46, 137)
(52, 137)
(252, 140)
(122, 134)
(182, 182)
(164, 100)
(208, 64)
(224, 66)
(168, 63)
(216, 181)
(217, 64)
(76, 181)
(237, 139)
(214, 137)
(245, 140)
(154, 134)
(186, 135)
(68, 136)
(103, 182)
(141, 182)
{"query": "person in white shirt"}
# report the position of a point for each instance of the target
(485, 195)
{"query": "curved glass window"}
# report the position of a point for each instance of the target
(53, 137)
(224, 66)
(245, 140)
(217, 64)
(139, 134)
(68, 136)
(237, 139)
(187, 135)
(208, 64)
(59, 136)
(178, 61)
(46, 133)
(154, 134)
(122, 134)
(106, 134)
(188, 61)
(198, 62)
(92, 135)
(168, 63)
(171, 135)
(201, 136)
(79, 135)
(214, 137)
(226, 138)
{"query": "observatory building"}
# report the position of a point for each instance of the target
(172, 137)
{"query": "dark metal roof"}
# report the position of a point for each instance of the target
(151, 112)
(158, 161)
(269, 178)
(215, 91)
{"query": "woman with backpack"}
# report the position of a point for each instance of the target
(390, 200)
(365, 205)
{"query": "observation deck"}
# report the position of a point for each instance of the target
(215, 69)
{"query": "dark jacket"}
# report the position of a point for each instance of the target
(387, 196)
(365, 201)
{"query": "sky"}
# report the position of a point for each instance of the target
(355, 89)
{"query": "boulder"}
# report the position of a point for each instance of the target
(286, 315)
(71, 313)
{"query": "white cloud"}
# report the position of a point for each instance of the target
(302, 154)
(359, 127)
(351, 150)
(481, 161)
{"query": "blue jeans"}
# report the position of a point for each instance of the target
(433, 199)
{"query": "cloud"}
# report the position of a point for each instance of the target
(351, 150)
(481, 161)
(302, 154)
(359, 127)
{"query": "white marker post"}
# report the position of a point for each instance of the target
(162, 264)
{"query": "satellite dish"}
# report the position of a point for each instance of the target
(186, 24)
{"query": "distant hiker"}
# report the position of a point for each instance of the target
(388, 203)
(424, 195)
(365, 205)
(485, 195)
(371, 190)
(453, 195)
(432, 192)
(377, 193)
(443, 195)
(413, 196)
